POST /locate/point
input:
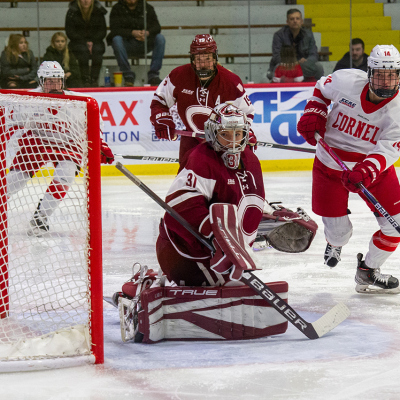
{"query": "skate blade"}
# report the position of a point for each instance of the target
(368, 289)
(261, 245)
(258, 247)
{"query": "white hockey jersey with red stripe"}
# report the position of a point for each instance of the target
(358, 129)
(195, 103)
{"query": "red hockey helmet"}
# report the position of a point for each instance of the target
(203, 44)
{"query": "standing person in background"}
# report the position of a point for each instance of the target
(197, 88)
(363, 129)
(18, 64)
(358, 57)
(127, 38)
(58, 51)
(289, 70)
(293, 34)
(86, 29)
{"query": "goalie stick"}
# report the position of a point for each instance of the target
(313, 330)
(261, 144)
(370, 197)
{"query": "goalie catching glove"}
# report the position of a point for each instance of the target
(313, 120)
(286, 230)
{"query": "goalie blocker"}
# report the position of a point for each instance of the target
(196, 313)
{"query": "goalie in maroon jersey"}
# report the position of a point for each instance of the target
(196, 88)
(222, 170)
(45, 138)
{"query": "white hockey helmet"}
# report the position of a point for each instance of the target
(383, 57)
(50, 69)
(227, 117)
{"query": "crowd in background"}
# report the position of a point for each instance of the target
(80, 49)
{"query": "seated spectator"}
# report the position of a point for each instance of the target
(359, 59)
(58, 51)
(293, 34)
(86, 29)
(18, 64)
(289, 69)
(127, 38)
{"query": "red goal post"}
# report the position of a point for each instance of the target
(51, 312)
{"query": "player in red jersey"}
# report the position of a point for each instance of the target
(196, 88)
(222, 170)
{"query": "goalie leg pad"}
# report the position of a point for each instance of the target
(208, 313)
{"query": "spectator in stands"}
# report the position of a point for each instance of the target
(358, 57)
(85, 25)
(293, 34)
(58, 51)
(18, 64)
(127, 38)
(289, 69)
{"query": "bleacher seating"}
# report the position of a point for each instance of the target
(227, 20)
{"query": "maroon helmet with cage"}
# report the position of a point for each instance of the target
(204, 44)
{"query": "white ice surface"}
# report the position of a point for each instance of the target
(360, 359)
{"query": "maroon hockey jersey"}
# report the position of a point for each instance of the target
(195, 103)
(206, 180)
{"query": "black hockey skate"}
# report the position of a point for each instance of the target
(370, 280)
(332, 255)
(38, 225)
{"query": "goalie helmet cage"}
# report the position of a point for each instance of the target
(51, 286)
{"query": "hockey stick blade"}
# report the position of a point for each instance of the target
(314, 330)
(370, 197)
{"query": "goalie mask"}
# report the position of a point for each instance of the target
(383, 71)
(227, 130)
(204, 56)
(51, 77)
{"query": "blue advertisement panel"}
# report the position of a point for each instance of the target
(128, 131)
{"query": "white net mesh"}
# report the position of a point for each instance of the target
(44, 277)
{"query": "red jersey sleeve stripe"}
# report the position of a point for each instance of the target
(317, 93)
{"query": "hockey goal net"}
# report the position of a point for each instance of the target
(51, 282)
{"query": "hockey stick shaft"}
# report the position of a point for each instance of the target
(149, 158)
(261, 144)
(370, 197)
(164, 205)
(312, 330)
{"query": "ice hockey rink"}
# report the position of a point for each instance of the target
(360, 359)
